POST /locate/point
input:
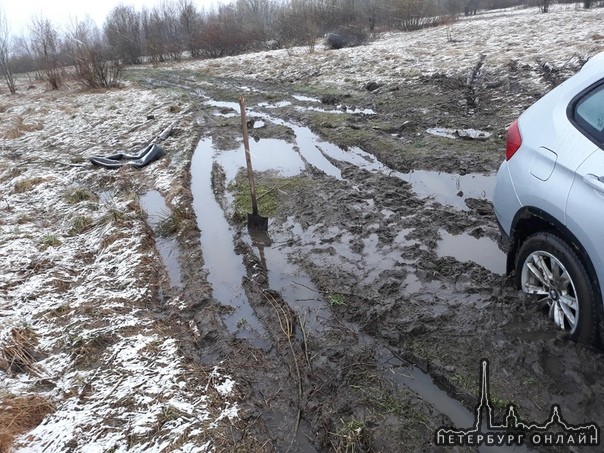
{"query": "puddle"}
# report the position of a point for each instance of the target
(463, 247)
(378, 259)
(267, 155)
(355, 110)
(297, 289)
(106, 196)
(411, 284)
(223, 105)
(155, 206)
(422, 384)
(337, 109)
(445, 188)
(450, 189)
(226, 115)
(225, 268)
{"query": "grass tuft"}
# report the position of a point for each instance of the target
(18, 351)
(353, 436)
(20, 414)
(77, 195)
(336, 299)
(50, 240)
(268, 194)
(20, 128)
(27, 184)
(80, 224)
(176, 222)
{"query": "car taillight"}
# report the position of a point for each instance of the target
(514, 140)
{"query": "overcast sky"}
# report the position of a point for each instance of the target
(19, 13)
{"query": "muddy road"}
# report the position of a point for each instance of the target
(359, 322)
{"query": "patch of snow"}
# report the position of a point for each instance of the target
(470, 134)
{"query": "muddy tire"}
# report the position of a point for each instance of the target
(549, 270)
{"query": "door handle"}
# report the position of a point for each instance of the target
(594, 182)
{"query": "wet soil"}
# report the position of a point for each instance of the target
(360, 322)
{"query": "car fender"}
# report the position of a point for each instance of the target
(529, 220)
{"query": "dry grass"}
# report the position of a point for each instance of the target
(28, 184)
(178, 221)
(20, 414)
(19, 128)
(81, 224)
(18, 351)
(79, 194)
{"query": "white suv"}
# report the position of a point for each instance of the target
(549, 201)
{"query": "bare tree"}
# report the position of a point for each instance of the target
(191, 23)
(45, 45)
(172, 29)
(154, 37)
(5, 54)
(95, 66)
(256, 16)
(299, 24)
(123, 31)
(544, 5)
(223, 34)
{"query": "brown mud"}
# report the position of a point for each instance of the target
(364, 270)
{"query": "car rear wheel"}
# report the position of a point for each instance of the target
(548, 269)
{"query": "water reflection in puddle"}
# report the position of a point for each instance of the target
(463, 247)
(267, 155)
(154, 205)
(225, 268)
(297, 289)
(422, 384)
(445, 188)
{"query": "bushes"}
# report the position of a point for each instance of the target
(94, 69)
(346, 37)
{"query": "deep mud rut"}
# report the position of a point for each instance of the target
(377, 288)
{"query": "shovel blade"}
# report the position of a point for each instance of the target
(257, 222)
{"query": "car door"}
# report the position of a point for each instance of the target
(585, 205)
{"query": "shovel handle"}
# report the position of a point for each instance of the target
(248, 157)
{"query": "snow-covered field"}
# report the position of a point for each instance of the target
(524, 35)
(78, 282)
(78, 321)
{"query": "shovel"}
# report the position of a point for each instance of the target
(254, 220)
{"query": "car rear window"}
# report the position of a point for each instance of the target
(589, 113)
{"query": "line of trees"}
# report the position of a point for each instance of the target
(177, 28)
